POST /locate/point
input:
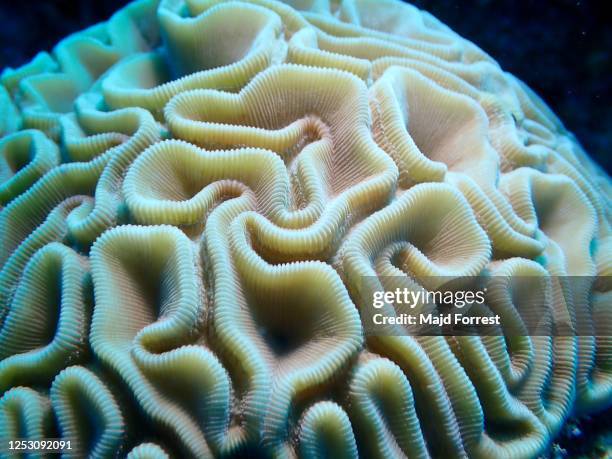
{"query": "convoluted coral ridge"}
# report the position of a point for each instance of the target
(191, 192)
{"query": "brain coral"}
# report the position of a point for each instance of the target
(191, 192)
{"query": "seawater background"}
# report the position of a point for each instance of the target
(561, 48)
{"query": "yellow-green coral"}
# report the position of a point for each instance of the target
(193, 192)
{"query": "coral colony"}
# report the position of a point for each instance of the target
(193, 192)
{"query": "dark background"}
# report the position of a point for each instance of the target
(560, 48)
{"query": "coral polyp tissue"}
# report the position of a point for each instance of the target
(192, 191)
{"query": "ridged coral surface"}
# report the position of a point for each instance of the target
(191, 192)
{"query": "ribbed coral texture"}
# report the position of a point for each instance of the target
(192, 192)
